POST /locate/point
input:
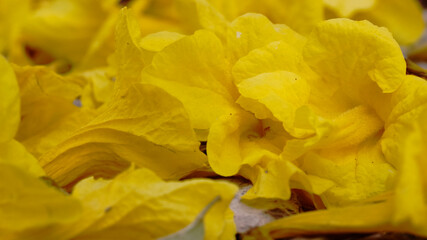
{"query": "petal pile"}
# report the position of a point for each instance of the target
(135, 119)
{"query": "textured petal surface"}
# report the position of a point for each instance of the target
(146, 126)
(282, 93)
(334, 51)
(205, 89)
(46, 102)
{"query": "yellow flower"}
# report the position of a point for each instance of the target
(332, 95)
(321, 106)
(402, 210)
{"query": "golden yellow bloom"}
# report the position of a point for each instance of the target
(325, 107)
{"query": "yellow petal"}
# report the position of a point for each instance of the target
(407, 103)
(355, 55)
(13, 15)
(353, 219)
(156, 42)
(346, 8)
(265, 186)
(138, 203)
(200, 14)
(282, 93)
(128, 55)
(205, 89)
(252, 31)
(301, 15)
(411, 198)
(286, 55)
(46, 102)
(13, 153)
(101, 46)
(396, 16)
(224, 141)
(194, 230)
(403, 211)
(359, 173)
(275, 56)
(30, 209)
(404, 145)
(54, 27)
(146, 126)
(9, 102)
(99, 88)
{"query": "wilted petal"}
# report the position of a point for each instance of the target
(146, 126)
(138, 203)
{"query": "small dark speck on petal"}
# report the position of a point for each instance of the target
(107, 209)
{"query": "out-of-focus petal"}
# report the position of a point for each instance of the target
(9, 102)
(138, 203)
(403, 19)
(55, 29)
(30, 209)
(346, 8)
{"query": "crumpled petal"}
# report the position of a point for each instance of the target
(128, 55)
(146, 126)
(205, 89)
(404, 211)
(46, 102)
(283, 55)
(408, 101)
(225, 139)
(138, 203)
(252, 31)
(335, 52)
(358, 173)
(282, 93)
